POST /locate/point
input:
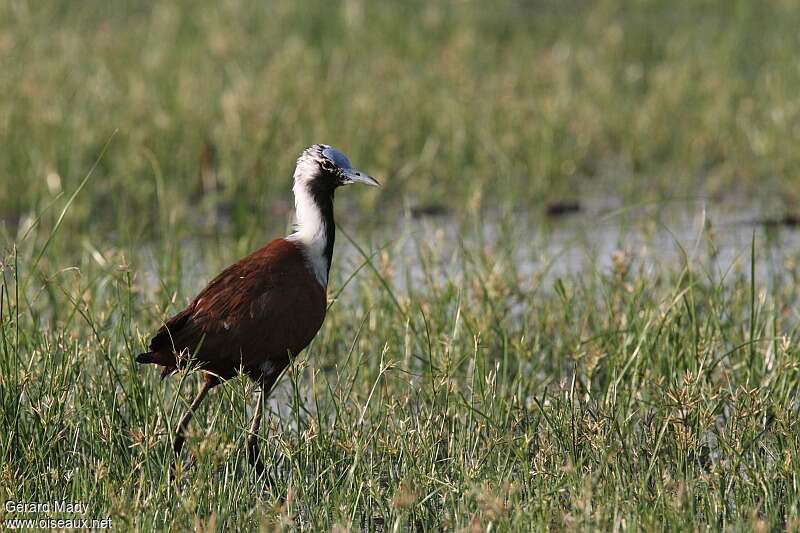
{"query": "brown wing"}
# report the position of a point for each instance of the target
(266, 307)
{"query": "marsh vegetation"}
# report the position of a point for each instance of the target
(630, 361)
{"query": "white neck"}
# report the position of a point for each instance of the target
(311, 231)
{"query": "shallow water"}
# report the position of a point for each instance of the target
(714, 238)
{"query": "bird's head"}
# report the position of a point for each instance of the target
(323, 168)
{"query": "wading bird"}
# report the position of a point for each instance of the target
(264, 310)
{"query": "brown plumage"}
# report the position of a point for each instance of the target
(264, 310)
(247, 317)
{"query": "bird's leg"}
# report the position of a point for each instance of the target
(180, 436)
(252, 436)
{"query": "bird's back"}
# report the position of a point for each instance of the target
(254, 315)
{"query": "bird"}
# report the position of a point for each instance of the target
(261, 312)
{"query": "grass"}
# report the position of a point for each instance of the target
(449, 387)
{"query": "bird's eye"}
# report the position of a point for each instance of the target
(327, 165)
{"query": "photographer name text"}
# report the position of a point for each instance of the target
(58, 506)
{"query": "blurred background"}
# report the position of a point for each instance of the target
(460, 107)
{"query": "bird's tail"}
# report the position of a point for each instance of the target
(144, 358)
(170, 366)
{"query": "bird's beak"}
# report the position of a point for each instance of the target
(353, 175)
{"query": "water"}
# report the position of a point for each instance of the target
(714, 238)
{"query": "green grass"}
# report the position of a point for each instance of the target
(473, 393)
